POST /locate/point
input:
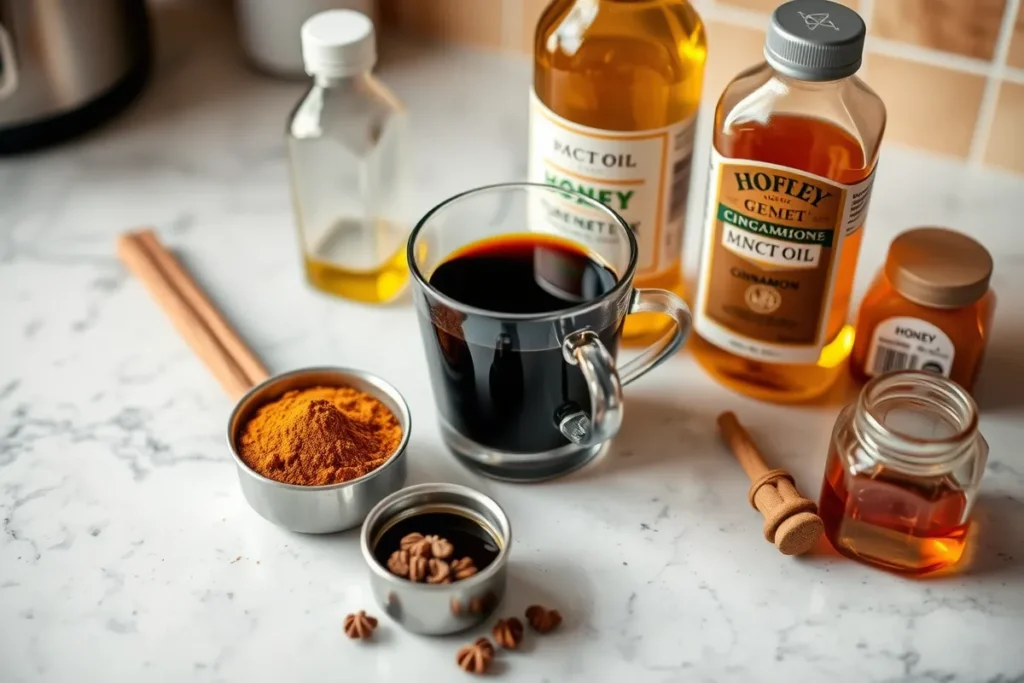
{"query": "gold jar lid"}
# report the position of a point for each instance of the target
(938, 268)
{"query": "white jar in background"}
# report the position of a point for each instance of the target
(269, 30)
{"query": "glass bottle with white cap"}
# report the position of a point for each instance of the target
(795, 144)
(346, 147)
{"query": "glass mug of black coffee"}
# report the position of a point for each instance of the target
(521, 293)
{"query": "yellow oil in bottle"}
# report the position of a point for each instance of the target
(374, 284)
(620, 81)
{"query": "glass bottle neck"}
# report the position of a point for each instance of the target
(918, 422)
(342, 83)
(792, 83)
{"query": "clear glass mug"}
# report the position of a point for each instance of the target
(527, 396)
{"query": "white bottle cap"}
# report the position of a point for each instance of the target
(338, 42)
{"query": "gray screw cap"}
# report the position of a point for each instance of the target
(815, 40)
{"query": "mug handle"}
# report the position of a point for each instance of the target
(604, 381)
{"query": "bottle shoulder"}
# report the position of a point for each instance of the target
(620, 65)
(759, 94)
(606, 15)
(577, 34)
(366, 104)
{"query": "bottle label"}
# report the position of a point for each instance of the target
(909, 344)
(644, 176)
(773, 237)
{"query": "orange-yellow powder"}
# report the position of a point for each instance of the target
(321, 435)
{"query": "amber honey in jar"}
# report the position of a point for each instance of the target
(929, 309)
(902, 475)
(795, 143)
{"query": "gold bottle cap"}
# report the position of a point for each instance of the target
(939, 268)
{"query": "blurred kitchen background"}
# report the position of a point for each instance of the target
(951, 72)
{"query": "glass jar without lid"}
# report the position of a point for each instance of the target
(929, 309)
(902, 474)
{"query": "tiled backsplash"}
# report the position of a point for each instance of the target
(951, 72)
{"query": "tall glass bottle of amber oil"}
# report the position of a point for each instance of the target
(616, 90)
(794, 150)
(346, 145)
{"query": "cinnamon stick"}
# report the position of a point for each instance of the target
(196, 298)
(193, 315)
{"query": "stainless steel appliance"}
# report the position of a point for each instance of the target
(67, 66)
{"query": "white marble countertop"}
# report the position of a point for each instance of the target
(128, 554)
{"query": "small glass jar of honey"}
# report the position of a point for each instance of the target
(929, 309)
(903, 470)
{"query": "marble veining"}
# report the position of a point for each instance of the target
(127, 552)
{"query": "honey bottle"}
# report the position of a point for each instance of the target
(795, 145)
(615, 96)
(930, 308)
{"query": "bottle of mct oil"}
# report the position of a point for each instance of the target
(617, 86)
(794, 149)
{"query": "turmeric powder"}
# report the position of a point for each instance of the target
(319, 436)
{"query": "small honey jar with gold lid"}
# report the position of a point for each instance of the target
(929, 309)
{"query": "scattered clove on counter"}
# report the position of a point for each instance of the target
(508, 633)
(359, 625)
(542, 619)
(475, 658)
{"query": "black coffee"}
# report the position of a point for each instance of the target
(467, 536)
(505, 384)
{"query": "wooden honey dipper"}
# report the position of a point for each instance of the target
(791, 521)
